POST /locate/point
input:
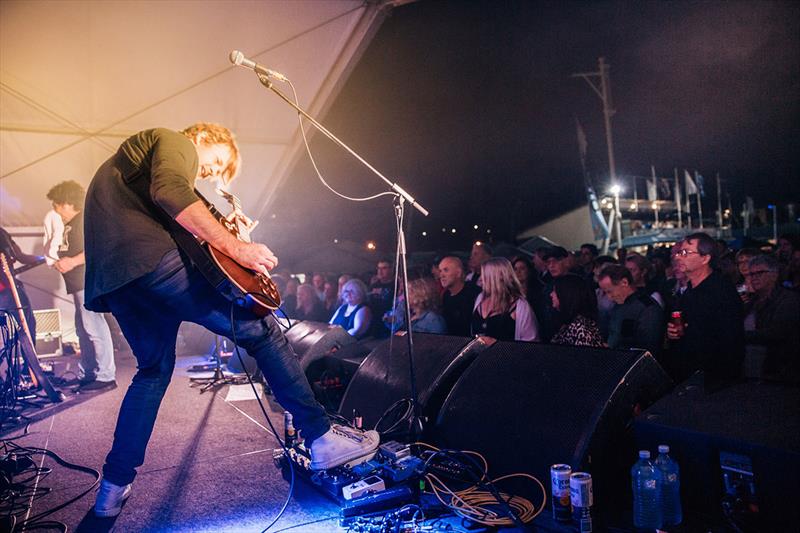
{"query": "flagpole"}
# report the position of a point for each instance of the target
(719, 202)
(655, 200)
(678, 197)
(699, 202)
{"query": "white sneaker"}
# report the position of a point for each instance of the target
(110, 498)
(340, 445)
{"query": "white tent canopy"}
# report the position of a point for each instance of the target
(79, 76)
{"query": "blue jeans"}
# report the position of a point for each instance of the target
(149, 311)
(94, 337)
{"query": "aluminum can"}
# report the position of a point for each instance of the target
(559, 483)
(582, 498)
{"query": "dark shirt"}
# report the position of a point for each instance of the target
(713, 339)
(123, 236)
(778, 329)
(346, 321)
(380, 302)
(72, 245)
(501, 326)
(637, 323)
(457, 310)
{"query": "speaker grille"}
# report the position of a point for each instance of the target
(526, 406)
(384, 378)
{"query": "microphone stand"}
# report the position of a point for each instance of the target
(401, 197)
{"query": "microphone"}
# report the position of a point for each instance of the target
(237, 58)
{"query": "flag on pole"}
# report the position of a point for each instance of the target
(700, 180)
(690, 187)
(665, 189)
(652, 190)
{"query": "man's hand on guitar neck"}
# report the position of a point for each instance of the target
(196, 219)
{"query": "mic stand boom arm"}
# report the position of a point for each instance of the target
(393, 186)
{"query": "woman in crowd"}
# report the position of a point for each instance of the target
(424, 301)
(576, 306)
(500, 310)
(308, 305)
(289, 296)
(353, 315)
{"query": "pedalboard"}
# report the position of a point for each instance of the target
(389, 478)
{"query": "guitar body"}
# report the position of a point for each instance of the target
(260, 294)
(247, 288)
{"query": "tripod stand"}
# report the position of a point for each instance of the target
(219, 378)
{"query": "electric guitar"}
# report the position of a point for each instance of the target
(248, 288)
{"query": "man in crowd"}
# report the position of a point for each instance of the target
(96, 370)
(586, 255)
(558, 263)
(140, 203)
(711, 336)
(318, 282)
(459, 296)
(777, 319)
(481, 252)
(380, 297)
(637, 321)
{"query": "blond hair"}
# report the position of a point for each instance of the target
(500, 284)
(424, 293)
(210, 133)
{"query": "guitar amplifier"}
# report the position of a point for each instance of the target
(48, 332)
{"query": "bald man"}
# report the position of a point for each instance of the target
(458, 298)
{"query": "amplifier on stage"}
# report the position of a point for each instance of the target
(48, 332)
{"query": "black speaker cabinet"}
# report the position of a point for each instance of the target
(526, 406)
(314, 340)
(384, 378)
(738, 448)
(330, 375)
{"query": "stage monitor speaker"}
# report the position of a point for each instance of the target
(313, 340)
(330, 375)
(526, 406)
(738, 450)
(383, 377)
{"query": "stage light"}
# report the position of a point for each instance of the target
(453, 230)
(478, 243)
(488, 231)
(424, 233)
(654, 205)
(615, 189)
(475, 226)
(370, 245)
(335, 241)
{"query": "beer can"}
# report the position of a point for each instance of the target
(559, 482)
(582, 498)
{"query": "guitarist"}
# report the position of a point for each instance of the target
(138, 202)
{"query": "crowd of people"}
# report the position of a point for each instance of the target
(695, 305)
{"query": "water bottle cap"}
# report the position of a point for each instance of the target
(663, 448)
(644, 454)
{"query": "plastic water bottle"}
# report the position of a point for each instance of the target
(646, 481)
(670, 487)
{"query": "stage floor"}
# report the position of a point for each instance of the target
(209, 465)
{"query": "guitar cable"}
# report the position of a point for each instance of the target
(266, 416)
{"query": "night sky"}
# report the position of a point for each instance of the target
(471, 107)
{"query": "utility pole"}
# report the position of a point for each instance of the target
(604, 92)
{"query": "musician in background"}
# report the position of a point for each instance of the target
(137, 202)
(14, 254)
(96, 370)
